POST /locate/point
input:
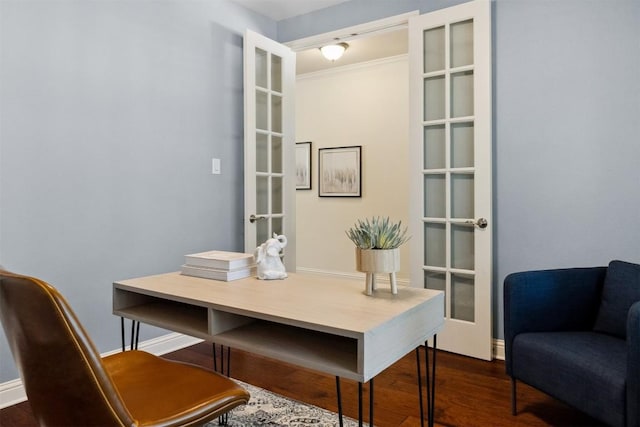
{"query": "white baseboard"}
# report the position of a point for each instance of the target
(498, 349)
(12, 392)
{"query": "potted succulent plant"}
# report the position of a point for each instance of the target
(378, 244)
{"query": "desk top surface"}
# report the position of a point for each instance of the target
(301, 299)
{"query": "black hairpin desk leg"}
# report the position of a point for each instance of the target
(431, 383)
(135, 334)
(420, 386)
(339, 401)
(224, 370)
(370, 403)
(122, 332)
(360, 420)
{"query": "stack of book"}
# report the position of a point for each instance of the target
(219, 265)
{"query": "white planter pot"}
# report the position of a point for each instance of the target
(372, 261)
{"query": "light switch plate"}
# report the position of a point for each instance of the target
(215, 166)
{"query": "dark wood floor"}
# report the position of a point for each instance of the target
(469, 392)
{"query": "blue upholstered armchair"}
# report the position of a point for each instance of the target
(575, 335)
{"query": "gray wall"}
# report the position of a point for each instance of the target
(567, 135)
(566, 127)
(111, 112)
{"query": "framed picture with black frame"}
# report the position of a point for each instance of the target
(303, 165)
(340, 171)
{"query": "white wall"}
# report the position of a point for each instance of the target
(367, 105)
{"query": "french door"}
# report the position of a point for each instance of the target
(450, 137)
(269, 143)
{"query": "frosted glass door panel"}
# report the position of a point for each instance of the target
(462, 246)
(462, 145)
(276, 113)
(462, 94)
(276, 73)
(462, 195)
(276, 196)
(435, 196)
(434, 98)
(462, 297)
(436, 281)
(262, 195)
(262, 230)
(462, 43)
(262, 110)
(261, 68)
(435, 238)
(276, 154)
(262, 152)
(434, 49)
(277, 225)
(434, 147)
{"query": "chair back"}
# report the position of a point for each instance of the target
(61, 370)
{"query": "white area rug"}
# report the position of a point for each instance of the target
(270, 409)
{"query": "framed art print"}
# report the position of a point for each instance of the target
(303, 165)
(340, 172)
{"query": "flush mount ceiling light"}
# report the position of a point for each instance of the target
(333, 51)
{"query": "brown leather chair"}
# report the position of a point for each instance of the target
(69, 384)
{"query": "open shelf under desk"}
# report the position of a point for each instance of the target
(332, 354)
(176, 316)
(179, 317)
(328, 353)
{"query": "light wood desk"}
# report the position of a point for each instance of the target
(324, 324)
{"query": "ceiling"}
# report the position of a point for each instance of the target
(361, 49)
(283, 9)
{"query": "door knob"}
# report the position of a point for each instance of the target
(253, 218)
(480, 222)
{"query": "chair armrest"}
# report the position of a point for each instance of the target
(633, 366)
(550, 300)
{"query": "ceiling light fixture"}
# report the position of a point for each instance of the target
(333, 51)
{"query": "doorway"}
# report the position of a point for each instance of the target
(447, 161)
(363, 101)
